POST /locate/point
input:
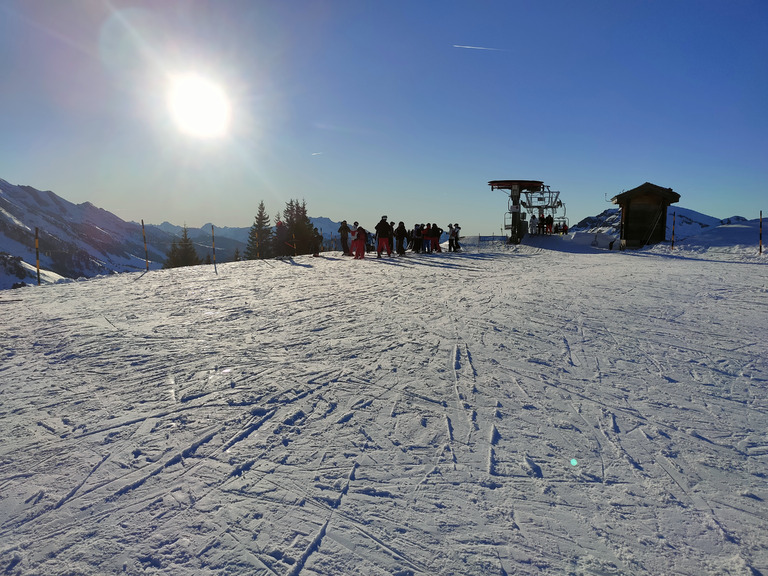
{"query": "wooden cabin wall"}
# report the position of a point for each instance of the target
(641, 214)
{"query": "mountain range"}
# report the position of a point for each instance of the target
(83, 240)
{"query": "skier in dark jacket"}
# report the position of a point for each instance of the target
(317, 242)
(383, 230)
(417, 238)
(401, 234)
(344, 233)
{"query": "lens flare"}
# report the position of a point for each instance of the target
(199, 106)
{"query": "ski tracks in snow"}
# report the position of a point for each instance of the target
(371, 417)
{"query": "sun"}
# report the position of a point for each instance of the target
(199, 106)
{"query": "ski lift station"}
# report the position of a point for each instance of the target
(528, 197)
(644, 214)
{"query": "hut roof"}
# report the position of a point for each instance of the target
(667, 193)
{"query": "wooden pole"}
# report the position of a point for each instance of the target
(213, 244)
(146, 253)
(673, 230)
(37, 254)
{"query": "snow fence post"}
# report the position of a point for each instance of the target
(213, 246)
(761, 232)
(146, 254)
(673, 230)
(37, 254)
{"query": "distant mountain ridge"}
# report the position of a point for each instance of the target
(326, 226)
(82, 240)
(687, 222)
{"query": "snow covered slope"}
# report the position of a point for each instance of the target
(537, 409)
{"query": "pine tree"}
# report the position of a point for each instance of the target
(300, 229)
(236, 257)
(277, 249)
(260, 236)
(182, 253)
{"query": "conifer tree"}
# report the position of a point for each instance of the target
(260, 236)
(236, 257)
(300, 229)
(182, 253)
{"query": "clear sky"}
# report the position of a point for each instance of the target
(397, 107)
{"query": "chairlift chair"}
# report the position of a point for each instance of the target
(535, 197)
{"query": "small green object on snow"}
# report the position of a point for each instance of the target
(574, 462)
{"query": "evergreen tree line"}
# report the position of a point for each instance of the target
(262, 242)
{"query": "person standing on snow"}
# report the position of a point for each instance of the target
(383, 230)
(451, 238)
(457, 237)
(533, 226)
(358, 245)
(317, 242)
(344, 234)
(436, 233)
(401, 234)
(417, 238)
(426, 238)
(353, 234)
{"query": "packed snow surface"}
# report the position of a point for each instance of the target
(533, 409)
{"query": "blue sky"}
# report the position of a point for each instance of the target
(366, 108)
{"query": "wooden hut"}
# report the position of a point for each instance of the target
(644, 214)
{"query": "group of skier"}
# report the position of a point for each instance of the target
(544, 225)
(422, 238)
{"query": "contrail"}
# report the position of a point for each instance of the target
(479, 48)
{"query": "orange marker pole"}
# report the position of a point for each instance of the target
(146, 253)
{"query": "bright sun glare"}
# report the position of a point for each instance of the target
(199, 106)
